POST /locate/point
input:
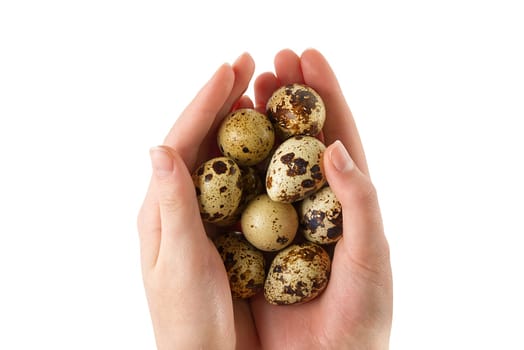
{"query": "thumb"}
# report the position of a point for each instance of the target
(363, 237)
(181, 225)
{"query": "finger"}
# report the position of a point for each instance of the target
(148, 223)
(245, 326)
(339, 124)
(244, 67)
(194, 123)
(287, 67)
(265, 85)
(181, 227)
(244, 102)
(363, 236)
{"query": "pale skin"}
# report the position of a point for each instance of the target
(185, 279)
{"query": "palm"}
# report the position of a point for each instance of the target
(337, 315)
(293, 326)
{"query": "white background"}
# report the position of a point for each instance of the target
(87, 87)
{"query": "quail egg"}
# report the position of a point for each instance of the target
(296, 109)
(252, 186)
(269, 225)
(244, 264)
(246, 136)
(297, 274)
(320, 217)
(296, 169)
(218, 187)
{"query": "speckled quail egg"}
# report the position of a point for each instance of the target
(269, 225)
(246, 136)
(296, 169)
(219, 189)
(244, 264)
(252, 186)
(320, 217)
(297, 274)
(296, 109)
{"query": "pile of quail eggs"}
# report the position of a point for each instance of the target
(270, 184)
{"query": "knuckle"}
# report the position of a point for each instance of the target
(171, 202)
(366, 194)
(170, 195)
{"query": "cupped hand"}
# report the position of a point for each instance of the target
(184, 277)
(355, 310)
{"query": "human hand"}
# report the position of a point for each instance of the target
(185, 280)
(355, 310)
(184, 277)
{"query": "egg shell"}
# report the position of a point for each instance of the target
(252, 186)
(246, 136)
(297, 274)
(245, 265)
(269, 225)
(219, 189)
(296, 109)
(321, 217)
(296, 169)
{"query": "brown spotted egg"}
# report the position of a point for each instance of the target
(245, 265)
(296, 109)
(297, 274)
(320, 217)
(269, 225)
(252, 186)
(218, 187)
(246, 136)
(296, 169)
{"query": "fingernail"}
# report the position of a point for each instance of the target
(340, 158)
(161, 161)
